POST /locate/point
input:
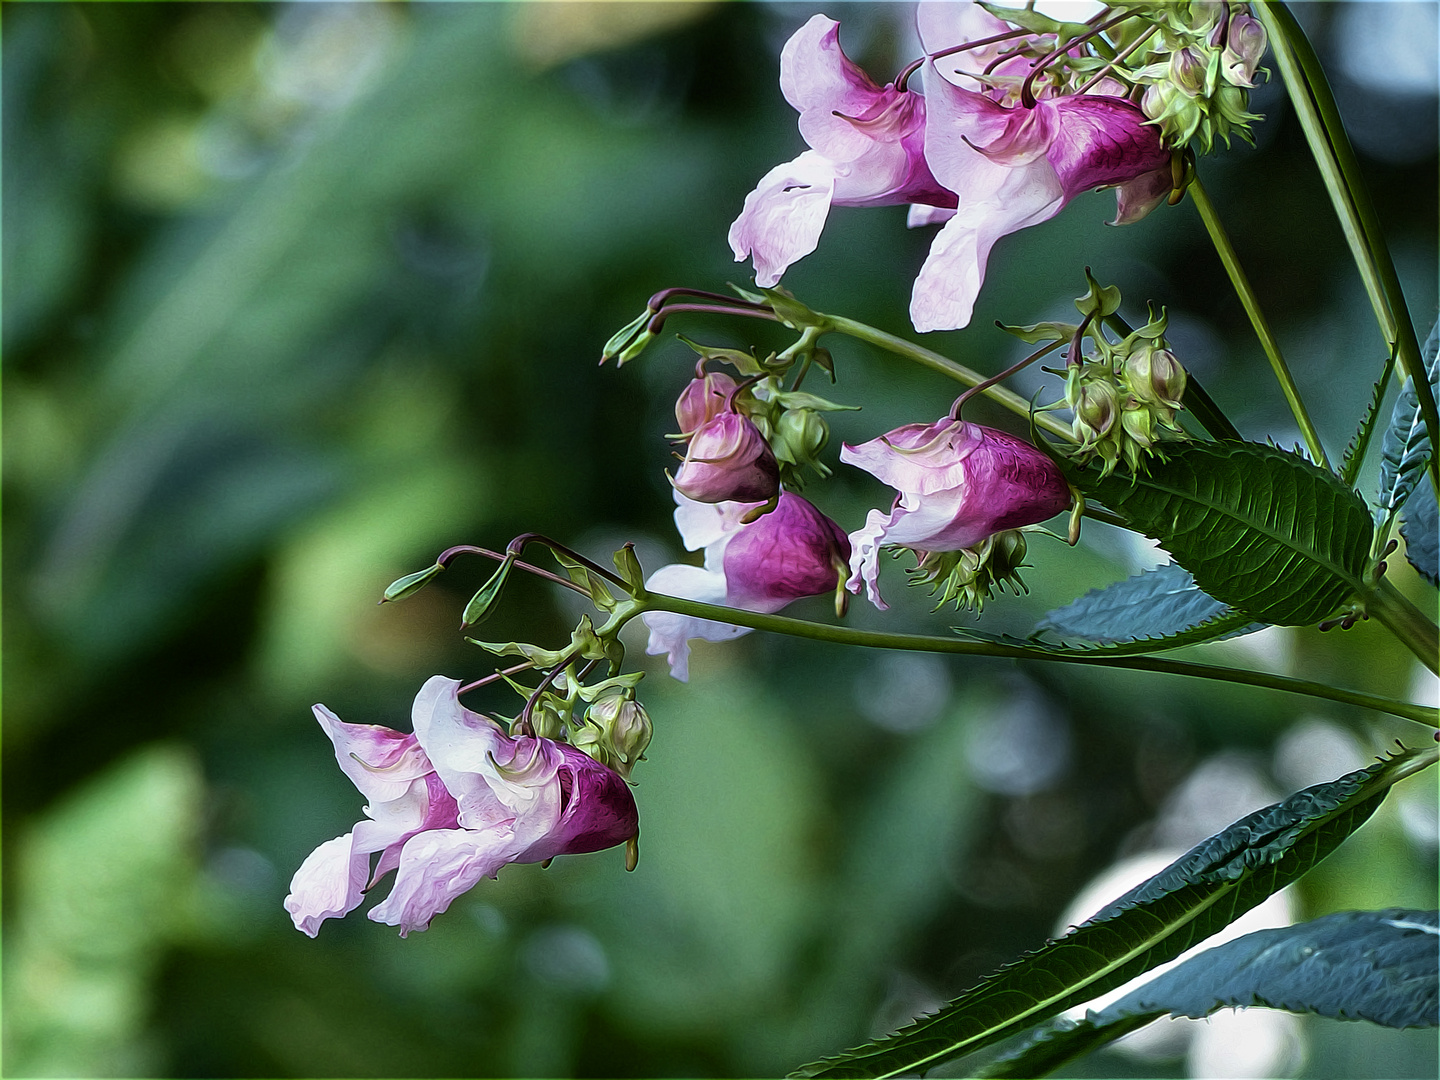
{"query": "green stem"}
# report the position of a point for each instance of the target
(947, 367)
(1407, 622)
(1226, 250)
(1319, 116)
(843, 635)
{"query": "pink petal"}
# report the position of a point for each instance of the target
(819, 80)
(1102, 141)
(923, 458)
(784, 216)
(920, 215)
(599, 811)
(379, 761)
(1136, 198)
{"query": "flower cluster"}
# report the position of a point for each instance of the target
(449, 804)
(1017, 118)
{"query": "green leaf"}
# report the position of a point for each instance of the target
(1204, 890)
(588, 580)
(1419, 528)
(1381, 966)
(1159, 605)
(1355, 452)
(1406, 446)
(1260, 528)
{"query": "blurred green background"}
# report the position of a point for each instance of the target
(297, 296)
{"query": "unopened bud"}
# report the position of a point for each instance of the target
(1155, 376)
(728, 460)
(1096, 408)
(410, 584)
(1244, 47)
(1187, 72)
(703, 399)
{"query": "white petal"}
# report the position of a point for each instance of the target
(438, 865)
(670, 634)
(329, 884)
(784, 216)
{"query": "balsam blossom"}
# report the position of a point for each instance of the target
(957, 484)
(960, 155)
(449, 804)
(792, 552)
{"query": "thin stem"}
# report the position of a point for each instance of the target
(517, 545)
(1122, 55)
(1226, 251)
(656, 324)
(949, 368)
(1027, 88)
(661, 298)
(843, 635)
(1319, 116)
(904, 77)
(524, 665)
(1407, 622)
(980, 388)
(448, 555)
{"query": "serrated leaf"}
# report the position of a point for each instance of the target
(1381, 966)
(1259, 528)
(1360, 443)
(1204, 890)
(1163, 604)
(1421, 529)
(1406, 445)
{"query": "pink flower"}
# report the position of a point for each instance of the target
(705, 397)
(867, 149)
(791, 552)
(957, 482)
(1016, 167)
(448, 805)
(728, 459)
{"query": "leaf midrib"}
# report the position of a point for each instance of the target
(1336, 571)
(1346, 806)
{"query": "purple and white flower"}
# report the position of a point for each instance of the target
(448, 805)
(957, 483)
(792, 552)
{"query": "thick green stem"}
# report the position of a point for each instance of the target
(1319, 116)
(843, 635)
(1407, 622)
(1226, 250)
(947, 367)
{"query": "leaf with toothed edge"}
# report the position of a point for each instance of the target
(1204, 890)
(1360, 442)
(1162, 606)
(1261, 529)
(1405, 448)
(1380, 966)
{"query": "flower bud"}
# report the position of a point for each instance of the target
(703, 398)
(1187, 72)
(1097, 407)
(1244, 47)
(1155, 376)
(617, 734)
(800, 435)
(728, 460)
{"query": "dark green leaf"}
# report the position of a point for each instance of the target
(1381, 966)
(1406, 446)
(1160, 604)
(1420, 527)
(1355, 452)
(1261, 529)
(1204, 890)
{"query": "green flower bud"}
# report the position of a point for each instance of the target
(617, 732)
(1155, 376)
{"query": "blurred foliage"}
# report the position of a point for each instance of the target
(297, 296)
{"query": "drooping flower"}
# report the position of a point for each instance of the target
(1013, 167)
(867, 149)
(958, 483)
(791, 552)
(728, 460)
(449, 804)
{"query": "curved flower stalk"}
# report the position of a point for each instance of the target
(792, 552)
(957, 484)
(448, 805)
